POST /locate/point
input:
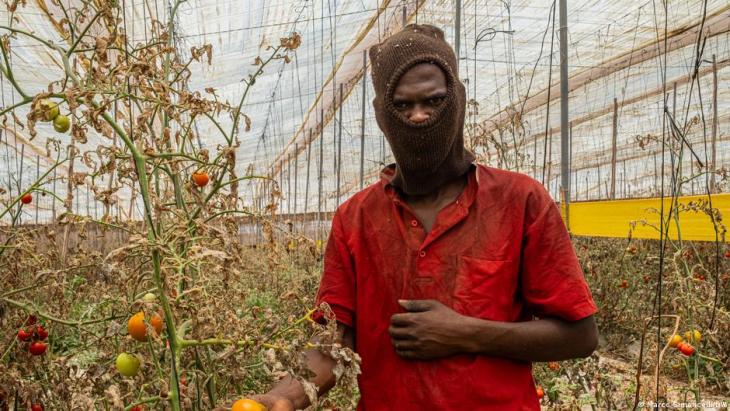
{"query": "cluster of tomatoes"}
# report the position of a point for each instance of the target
(684, 346)
(33, 334)
(50, 112)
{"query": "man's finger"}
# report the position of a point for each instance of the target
(401, 333)
(404, 345)
(407, 354)
(401, 320)
(415, 306)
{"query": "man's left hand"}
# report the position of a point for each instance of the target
(429, 330)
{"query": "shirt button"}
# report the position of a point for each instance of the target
(422, 253)
(414, 223)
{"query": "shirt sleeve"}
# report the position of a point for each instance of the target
(553, 284)
(337, 287)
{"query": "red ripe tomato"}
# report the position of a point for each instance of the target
(41, 332)
(540, 392)
(137, 408)
(37, 348)
(624, 284)
(26, 198)
(31, 320)
(686, 349)
(200, 178)
(36, 407)
(24, 335)
(727, 254)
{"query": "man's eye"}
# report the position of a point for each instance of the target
(435, 101)
(400, 105)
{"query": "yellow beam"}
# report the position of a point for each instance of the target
(615, 218)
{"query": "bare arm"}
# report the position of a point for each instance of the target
(288, 394)
(546, 339)
(431, 330)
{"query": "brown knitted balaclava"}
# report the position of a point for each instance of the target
(430, 153)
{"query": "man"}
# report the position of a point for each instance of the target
(436, 272)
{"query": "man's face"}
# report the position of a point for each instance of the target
(420, 91)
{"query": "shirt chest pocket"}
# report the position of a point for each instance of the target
(485, 288)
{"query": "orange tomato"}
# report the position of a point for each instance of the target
(137, 328)
(247, 405)
(540, 392)
(200, 178)
(156, 323)
(26, 198)
(553, 365)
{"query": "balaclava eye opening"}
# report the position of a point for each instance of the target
(430, 153)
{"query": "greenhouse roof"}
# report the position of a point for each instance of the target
(621, 71)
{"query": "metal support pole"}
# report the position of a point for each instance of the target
(321, 161)
(339, 148)
(624, 180)
(656, 175)
(404, 17)
(457, 31)
(713, 164)
(564, 138)
(296, 175)
(614, 135)
(280, 183)
(306, 187)
(288, 184)
(362, 117)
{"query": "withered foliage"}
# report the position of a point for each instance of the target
(237, 317)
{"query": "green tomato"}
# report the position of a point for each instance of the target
(127, 364)
(50, 110)
(149, 298)
(61, 123)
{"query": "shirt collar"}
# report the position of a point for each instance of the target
(466, 197)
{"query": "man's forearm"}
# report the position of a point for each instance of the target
(540, 340)
(290, 388)
(321, 366)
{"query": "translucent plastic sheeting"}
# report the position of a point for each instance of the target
(509, 51)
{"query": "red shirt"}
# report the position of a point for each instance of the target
(499, 252)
